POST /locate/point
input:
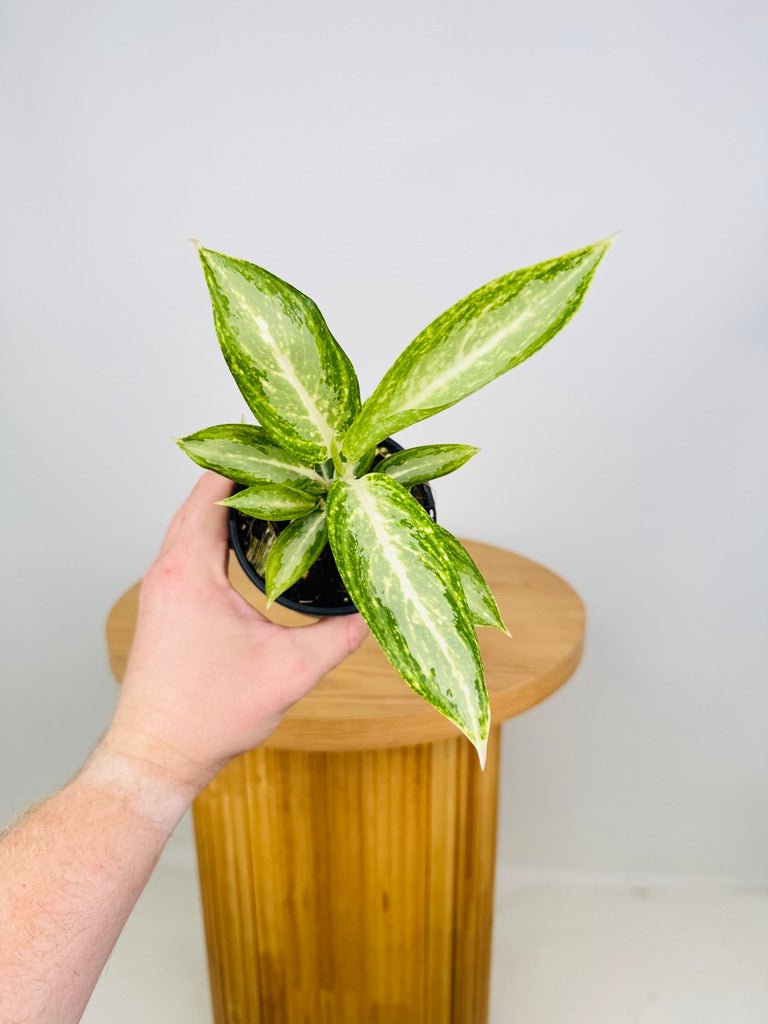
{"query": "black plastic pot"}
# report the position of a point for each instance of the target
(321, 591)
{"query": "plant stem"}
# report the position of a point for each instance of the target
(336, 456)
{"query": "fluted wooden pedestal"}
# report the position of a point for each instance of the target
(347, 866)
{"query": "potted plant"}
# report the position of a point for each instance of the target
(325, 503)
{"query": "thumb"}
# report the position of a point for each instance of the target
(201, 523)
(328, 642)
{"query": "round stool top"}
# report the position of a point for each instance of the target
(363, 703)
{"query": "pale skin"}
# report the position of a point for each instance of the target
(208, 678)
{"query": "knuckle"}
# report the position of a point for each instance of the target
(169, 572)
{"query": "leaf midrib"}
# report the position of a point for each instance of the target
(369, 505)
(291, 374)
(454, 369)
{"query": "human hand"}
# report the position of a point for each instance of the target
(208, 676)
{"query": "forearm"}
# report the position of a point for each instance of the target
(70, 872)
(208, 678)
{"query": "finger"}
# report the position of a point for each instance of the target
(200, 525)
(329, 641)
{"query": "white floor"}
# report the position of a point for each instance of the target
(566, 951)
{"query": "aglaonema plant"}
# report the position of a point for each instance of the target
(311, 458)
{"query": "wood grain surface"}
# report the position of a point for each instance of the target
(363, 704)
(350, 888)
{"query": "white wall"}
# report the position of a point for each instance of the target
(387, 158)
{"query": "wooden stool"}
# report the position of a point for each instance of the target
(347, 865)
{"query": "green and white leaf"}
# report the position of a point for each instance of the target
(427, 462)
(405, 583)
(292, 372)
(474, 342)
(481, 602)
(244, 453)
(294, 552)
(272, 501)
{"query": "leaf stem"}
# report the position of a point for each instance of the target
(336, 456)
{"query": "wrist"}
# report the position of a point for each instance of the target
(159, 784)
(174, 759)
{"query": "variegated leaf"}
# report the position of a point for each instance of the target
(405, 584)
(294, 552)
(427, 462)
(244, 453)
(291, 371)
(272, 501)
(481, 602)
(474, 342)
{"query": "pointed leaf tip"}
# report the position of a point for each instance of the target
(243, 452)
(278, 502)
(294, 552)
(481, 746)
(405, 585)
(291, 371)
(426, 462)
(480, 600)
(484, 335)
